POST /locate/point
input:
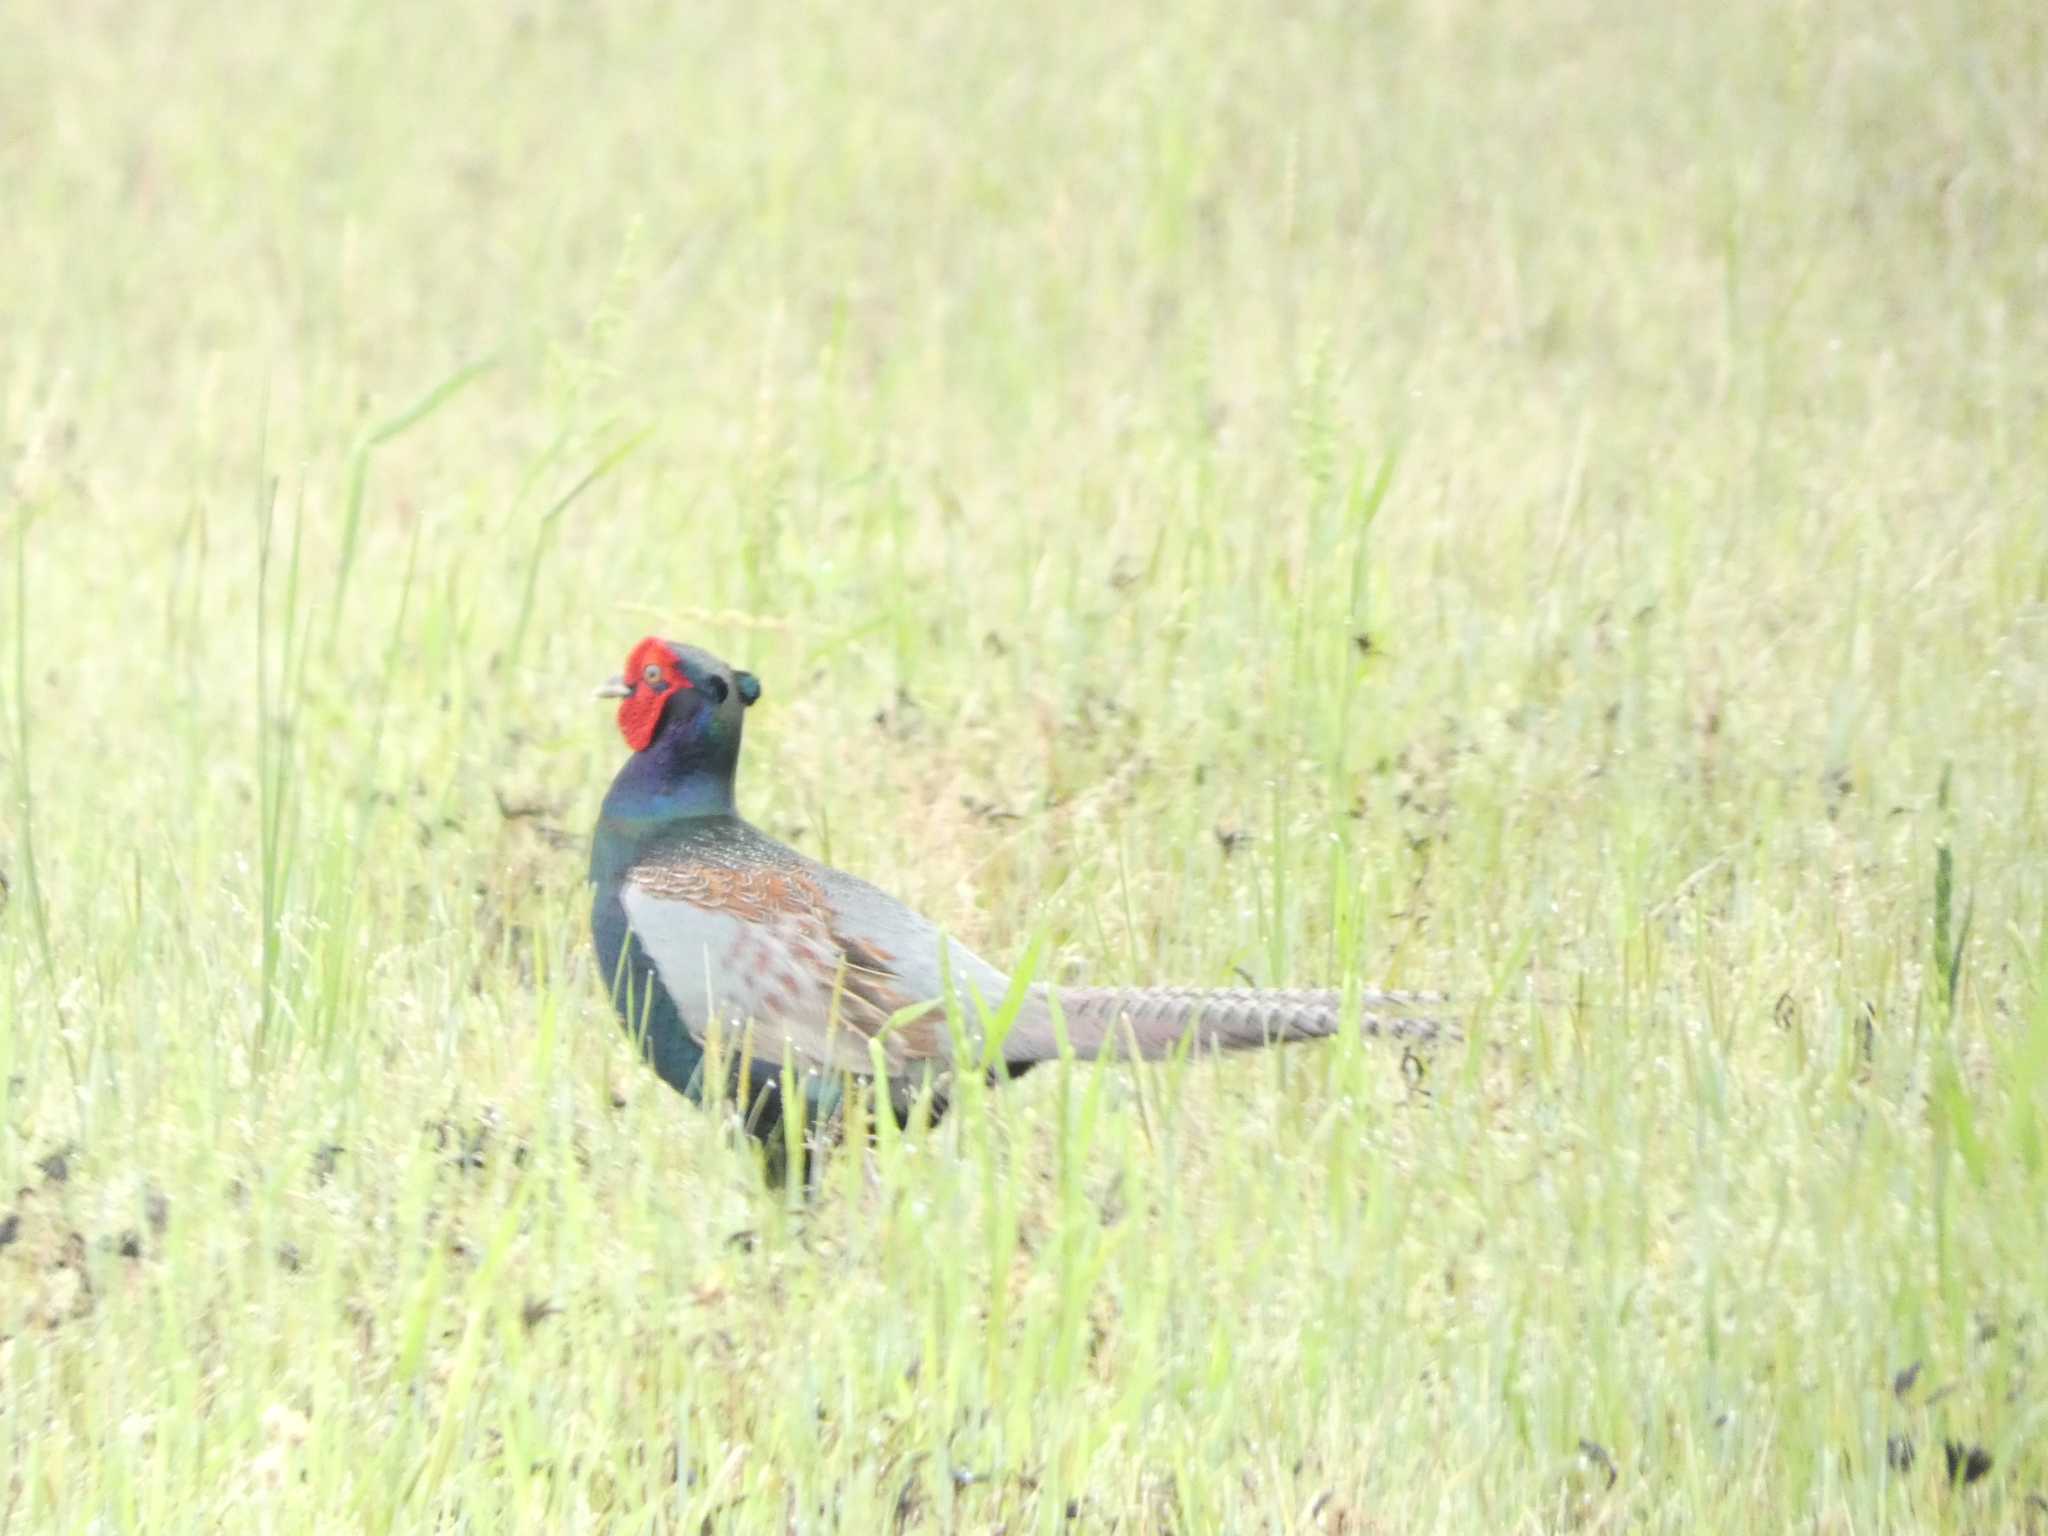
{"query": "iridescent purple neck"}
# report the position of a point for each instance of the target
(687, 770)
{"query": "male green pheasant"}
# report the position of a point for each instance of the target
(697, 915)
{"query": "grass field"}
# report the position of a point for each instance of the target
(1549, 502)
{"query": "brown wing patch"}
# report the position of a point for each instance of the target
(868, 981)
(752, 895)
(860, 977)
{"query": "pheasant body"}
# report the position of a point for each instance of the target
(698, 916)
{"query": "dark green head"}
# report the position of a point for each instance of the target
(681, 710)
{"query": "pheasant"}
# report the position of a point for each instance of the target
(698, 916)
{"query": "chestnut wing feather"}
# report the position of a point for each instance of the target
(759, 945)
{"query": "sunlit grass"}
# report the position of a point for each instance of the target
(1544, 503)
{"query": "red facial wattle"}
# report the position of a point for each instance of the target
(652, 674)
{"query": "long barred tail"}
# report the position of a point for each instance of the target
(1111, 1020)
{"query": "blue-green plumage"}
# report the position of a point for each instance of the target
(644, 1006)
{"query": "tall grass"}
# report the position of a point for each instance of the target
(1543, 503)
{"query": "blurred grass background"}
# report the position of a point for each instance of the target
(1540, 501)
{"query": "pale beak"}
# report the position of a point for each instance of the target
(612, 688)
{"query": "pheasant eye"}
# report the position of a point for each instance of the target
(651, 673)
(715, 686)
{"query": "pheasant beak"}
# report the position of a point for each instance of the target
(612, 688)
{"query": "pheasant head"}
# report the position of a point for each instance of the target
(681, 710)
